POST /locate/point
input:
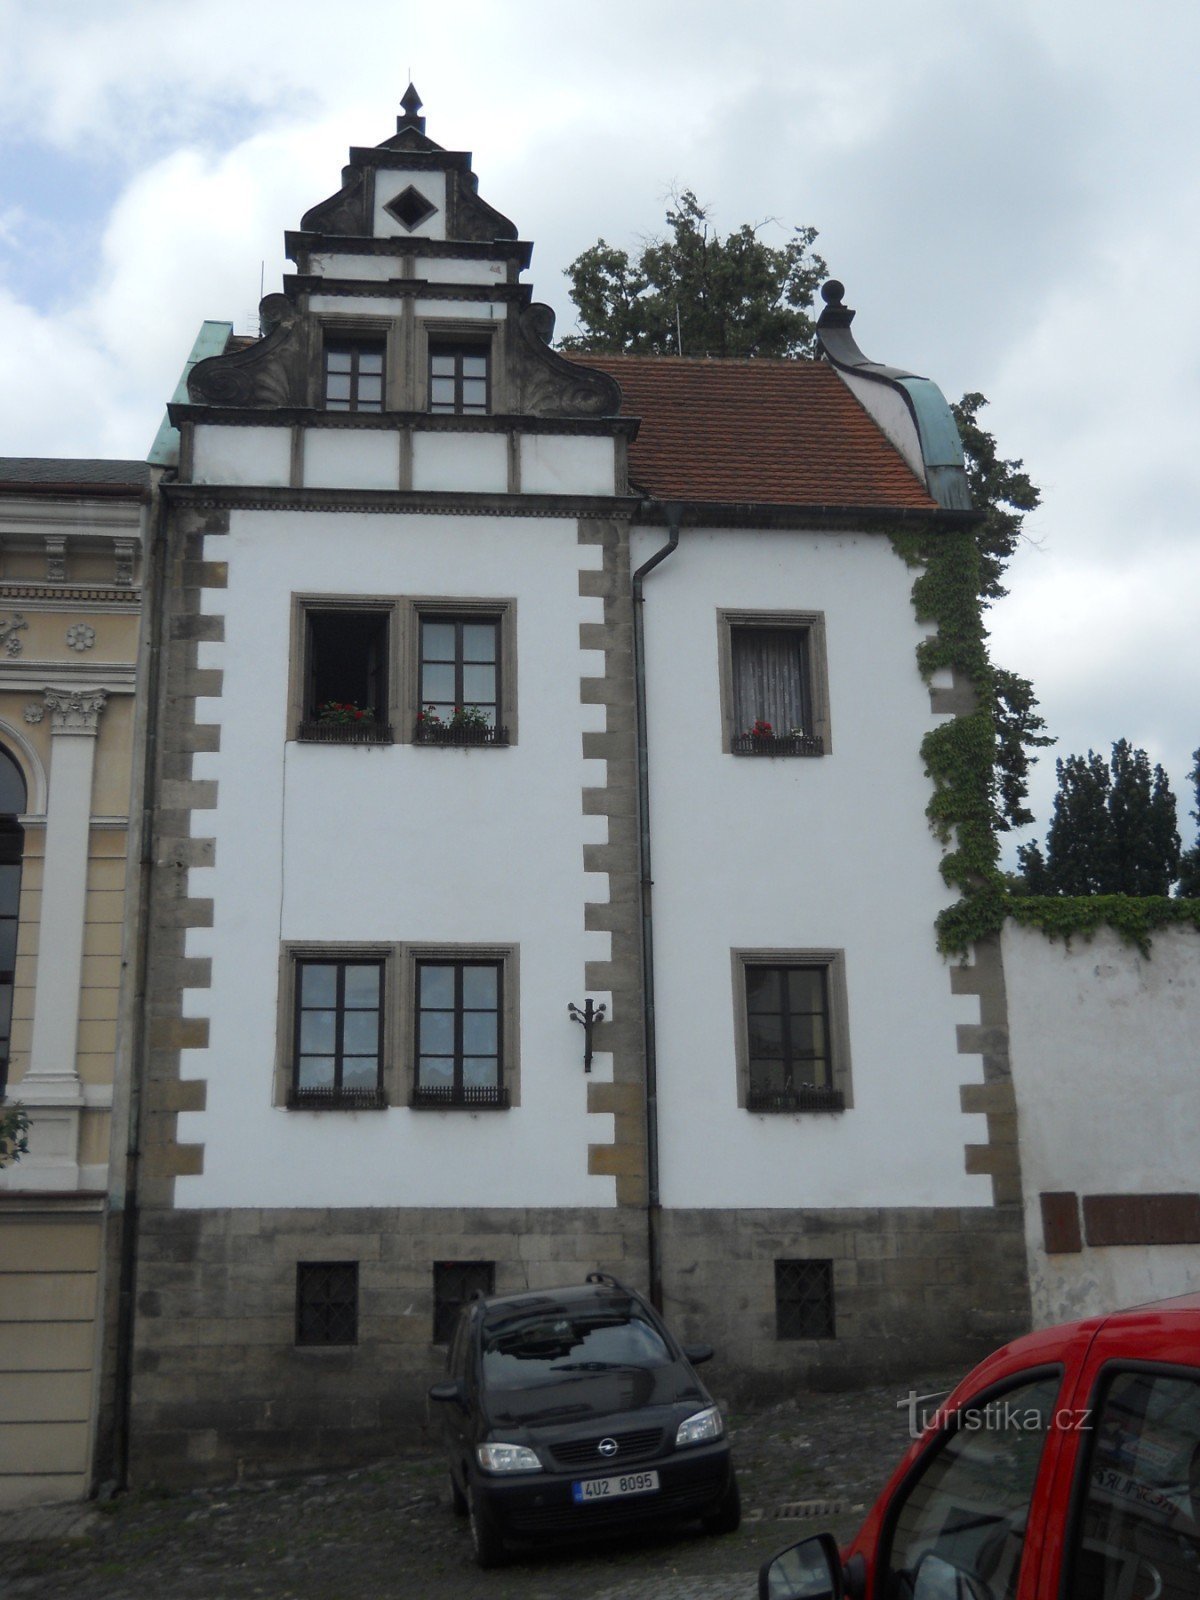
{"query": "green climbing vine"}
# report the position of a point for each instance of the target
(965, 809)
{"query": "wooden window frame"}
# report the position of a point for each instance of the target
(506, 957)
(461, 608)
(810, 626)
(299, 725)
(833, 962)
(292, 957)
(355, 339)
(458, 343)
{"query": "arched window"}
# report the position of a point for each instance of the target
(12, 843)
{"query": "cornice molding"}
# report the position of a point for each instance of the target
(49, 596)
(389, 421)
(115, 677)
(385, 501)
(296, 284)
(298, 242)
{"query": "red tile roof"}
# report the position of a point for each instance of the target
(775, 432)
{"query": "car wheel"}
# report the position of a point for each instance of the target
(726, 1515)
(485, 1532)
(457, 1498)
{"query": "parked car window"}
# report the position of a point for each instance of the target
(531, 1350)
(967, 1508)
(1139, 1533)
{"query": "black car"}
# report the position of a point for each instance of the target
(570, 1411)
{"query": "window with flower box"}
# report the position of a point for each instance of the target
(464, 672)
(774, 685)
(791, 1030)
(345, 674)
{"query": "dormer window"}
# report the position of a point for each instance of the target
(354, 374)
(458, 378)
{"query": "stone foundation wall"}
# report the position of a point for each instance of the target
(221, 1389)
(914, 1289)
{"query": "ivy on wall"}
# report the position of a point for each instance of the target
(965, 808)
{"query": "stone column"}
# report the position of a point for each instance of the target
(51, 1090)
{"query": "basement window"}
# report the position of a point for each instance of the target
(326, 1302)
(804, 1299)
(454, 1284)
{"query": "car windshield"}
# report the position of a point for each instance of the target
(528, 1351)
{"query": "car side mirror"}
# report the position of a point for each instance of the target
(698, 1354)
(442, 1392)
(810, 1570)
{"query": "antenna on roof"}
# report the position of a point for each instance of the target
(262, 280)
(678, 330)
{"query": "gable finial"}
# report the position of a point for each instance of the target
(836, 313)
(411, 104)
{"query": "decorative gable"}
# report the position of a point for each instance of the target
(407, 259)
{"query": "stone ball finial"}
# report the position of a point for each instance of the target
(833, 292)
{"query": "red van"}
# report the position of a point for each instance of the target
(1067, 1465)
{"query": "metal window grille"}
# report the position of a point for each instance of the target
(454, 1283)
(804, 1300)
(327, 1302)
(354, 375)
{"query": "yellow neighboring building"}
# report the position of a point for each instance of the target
(72, 535)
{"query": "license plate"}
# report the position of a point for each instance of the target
(588, 1490)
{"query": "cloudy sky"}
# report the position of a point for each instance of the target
(1008, 188)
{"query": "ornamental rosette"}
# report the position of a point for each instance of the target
(80, 636)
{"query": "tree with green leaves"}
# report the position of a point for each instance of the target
(691, 292)
(695, 293)
(14, 1133)
(1113, 829)
(1189, 861)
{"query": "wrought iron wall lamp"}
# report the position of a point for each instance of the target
(587, 1018)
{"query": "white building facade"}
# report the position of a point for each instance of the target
(466, 659)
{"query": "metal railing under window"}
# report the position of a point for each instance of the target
(474, 1096)
(447, 733)
(805, 1098)
(331, 1099)
(777, 744)
(345, 732)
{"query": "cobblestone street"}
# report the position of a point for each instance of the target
(811, 1463)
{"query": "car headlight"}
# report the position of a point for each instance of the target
(507, 1458)
(705, 1426)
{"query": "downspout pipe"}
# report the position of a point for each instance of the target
(673, 511)
(155, 593)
